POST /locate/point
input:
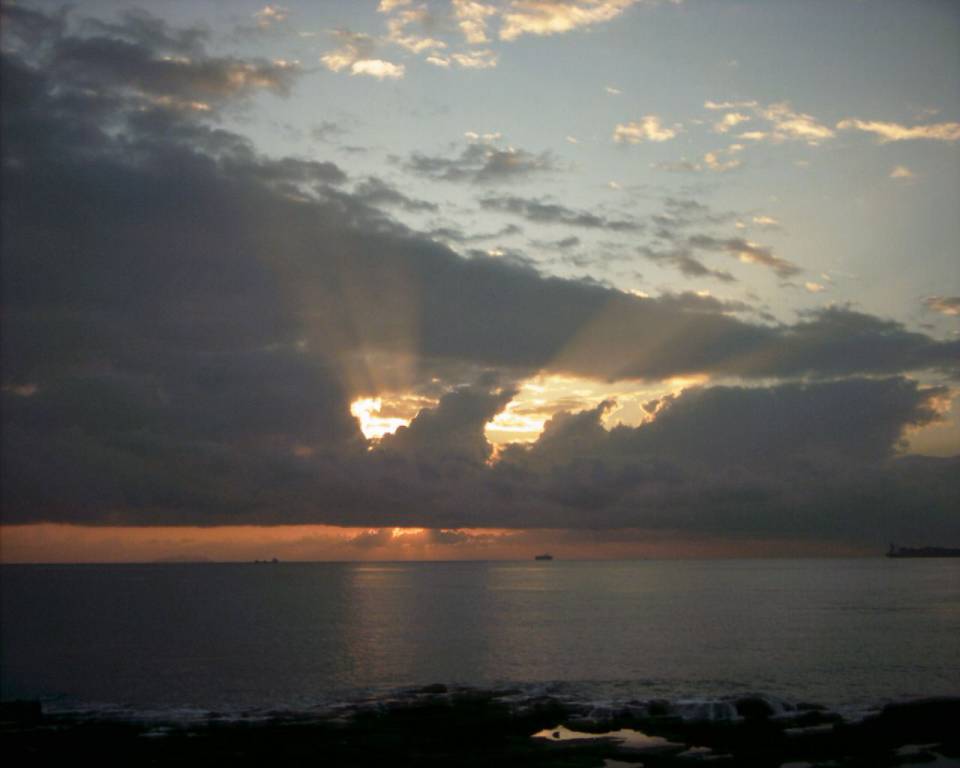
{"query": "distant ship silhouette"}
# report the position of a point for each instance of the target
(543, 557)
(922, 552)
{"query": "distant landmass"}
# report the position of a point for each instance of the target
(922, 552)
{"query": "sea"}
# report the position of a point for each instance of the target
(243, 639)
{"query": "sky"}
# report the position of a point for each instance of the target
(456, 280)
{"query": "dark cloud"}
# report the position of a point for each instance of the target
(453, 431)
(562, 244)
(141, 56)
(545, 212)
(481, 164)
(682, 259)
(140, 28)
(186, 322)
(814, 460)
(457, 235)
(376, 192)
(745, 251)
(679, 214)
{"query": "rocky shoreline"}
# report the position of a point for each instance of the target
(439, 726)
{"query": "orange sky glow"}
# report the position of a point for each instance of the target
(56, 543)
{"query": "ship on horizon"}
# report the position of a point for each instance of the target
(545, 556)
(922, 552)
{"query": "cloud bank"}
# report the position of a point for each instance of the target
(186, 322)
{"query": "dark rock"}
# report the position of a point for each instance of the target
(435, 688)
(658, 707)
(805, 705)
(21, 712)
(754, 708)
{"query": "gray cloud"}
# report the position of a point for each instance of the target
(140, 62)
(682, 259)
(745, 251)
(481, 164)
(457, 235)
(453, 431)
(812, 460)
(374, 191)
(140, 28)
(327, 131)
(562, 244)
(545, 212)
(679, 213)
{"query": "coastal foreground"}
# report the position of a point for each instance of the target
(441, 726)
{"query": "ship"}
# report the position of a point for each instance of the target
(922, 552)
(543, 557)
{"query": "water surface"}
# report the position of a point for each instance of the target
(293, 635)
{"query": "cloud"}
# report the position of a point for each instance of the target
(785, 124)
(887, 132)
(355, 55)
(551, 17)
(399, 34)
(945, 305)
(138, 27)
(386, 6)
(741, 460)
(485, 59)
(766, 222)
(187, 321)
(491, 137)
(327, 130)
(354, 46)
(730, 120)
(795, 126)
(374, 191)
(612, 91)
(746, 251)
(270, 15)
(482, 163)
(682, 259)
(545, 212)
(141, 56)
(472, 19)
(563, 244)
(728, 104)
(723, 160)
(456, 235)
(679, 212)
(378, 68)
(677, 166)
(451, 432)
(648, 128)
(902, 172)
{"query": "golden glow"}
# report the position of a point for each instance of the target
(397, 533)
(542, 397)
(373, 425)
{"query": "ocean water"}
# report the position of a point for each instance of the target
(256, 637)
